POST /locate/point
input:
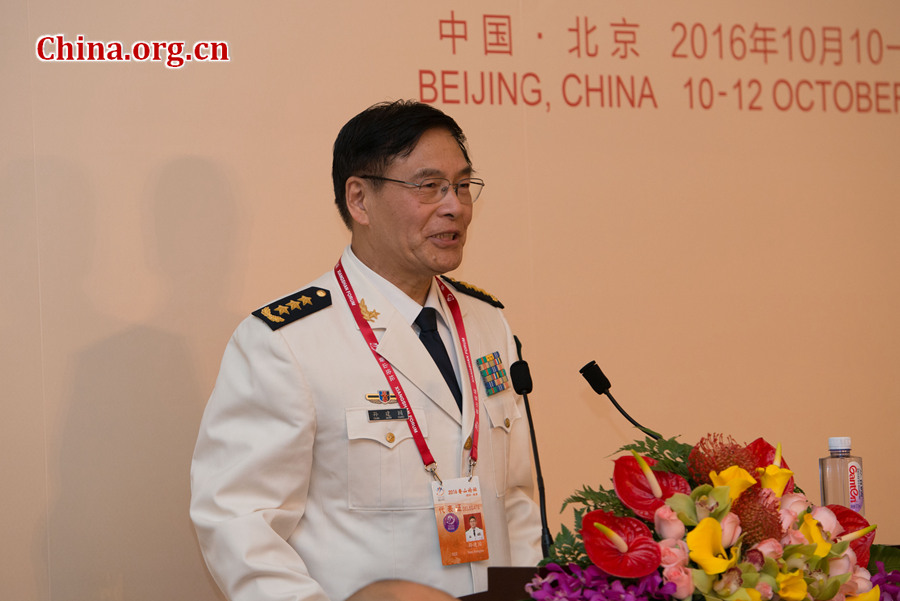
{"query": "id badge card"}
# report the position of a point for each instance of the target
(460, 520)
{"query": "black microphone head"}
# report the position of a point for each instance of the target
(520, 375)
(594, 375)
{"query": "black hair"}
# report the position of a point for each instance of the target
(370, 141)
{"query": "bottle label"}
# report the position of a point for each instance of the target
(855, 485)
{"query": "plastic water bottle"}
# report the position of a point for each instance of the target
(840, 476)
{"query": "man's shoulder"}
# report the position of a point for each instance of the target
(296, 305)
(473, 291)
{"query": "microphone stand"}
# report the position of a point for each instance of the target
(522, 384)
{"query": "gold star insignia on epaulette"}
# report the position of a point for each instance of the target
(366, 313)
(293, 307)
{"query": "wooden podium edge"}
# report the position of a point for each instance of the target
(506, 584)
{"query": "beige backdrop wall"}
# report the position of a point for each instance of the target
(722, 240)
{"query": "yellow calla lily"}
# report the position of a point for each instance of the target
(737, 479)
(753, 594)
(791, 586)
(812, 532)
(774, 478)
(872, 595)
(705, 545)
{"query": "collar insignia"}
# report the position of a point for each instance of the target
(366, 313)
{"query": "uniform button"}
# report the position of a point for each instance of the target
(389, 437)
(506, 423)
(468, 444)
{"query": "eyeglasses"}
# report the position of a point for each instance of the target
(433, 189)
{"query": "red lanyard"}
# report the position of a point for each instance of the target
(464, 343)
(394, 382)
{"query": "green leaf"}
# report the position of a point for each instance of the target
(567, 548)
(607, 500)
(671, 455)
(886, 554)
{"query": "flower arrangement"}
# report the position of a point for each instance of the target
(719, 521)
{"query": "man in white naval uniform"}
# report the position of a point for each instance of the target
(474, 533)
(297, 492)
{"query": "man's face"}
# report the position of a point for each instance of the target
(472, 522)
(411, 241)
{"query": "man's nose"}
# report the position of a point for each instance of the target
(451, 203)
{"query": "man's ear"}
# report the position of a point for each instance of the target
(355, 191)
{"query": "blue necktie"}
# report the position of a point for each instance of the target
(428, 334)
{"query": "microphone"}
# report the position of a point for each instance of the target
(600, 383)
(520, 375)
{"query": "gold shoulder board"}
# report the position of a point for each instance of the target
(293, 307)
(475, 291)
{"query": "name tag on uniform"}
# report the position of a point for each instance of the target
(460, 520)
(377, 415)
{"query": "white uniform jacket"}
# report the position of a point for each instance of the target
(296, 495)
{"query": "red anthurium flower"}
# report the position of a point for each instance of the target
(764, 454)
(636, 491)
(622, 547)
(851, 521)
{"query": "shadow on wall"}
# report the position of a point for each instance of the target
(132, 401)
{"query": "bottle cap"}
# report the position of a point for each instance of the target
(839, 443)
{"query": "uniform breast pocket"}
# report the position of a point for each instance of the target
(385, 470)
(503, 414)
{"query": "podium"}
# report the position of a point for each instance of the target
(506, 584)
